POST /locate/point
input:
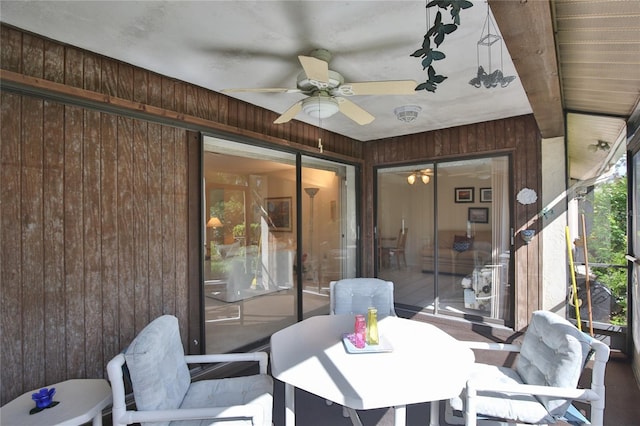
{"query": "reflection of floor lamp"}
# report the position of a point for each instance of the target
(311, 192)
(214, 223)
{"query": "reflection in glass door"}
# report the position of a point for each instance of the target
(254, 237)
(445, 241)
(328, 230)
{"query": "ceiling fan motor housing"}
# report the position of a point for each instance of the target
(307, 85)
(320, 106)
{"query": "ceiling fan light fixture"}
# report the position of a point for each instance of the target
(320, 106)
(407, 113)
(411, 179)
(425, 179)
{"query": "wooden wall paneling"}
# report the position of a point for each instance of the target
(155, 219)
(140, 86)
(168, 93)
(498, 134)
(126, 275)
(167, 220)
(53, 237)
(109, 77)
(32, 56)
(154, 94)
(481, 138)
(92, 73)
(92, 247)
(11, 269)
(144, 221)
(31, 199)
(125, 81)
(212, 108)
(258, 119)
(111, 343)
(180, 95)
(73, 64)
(53, 62)
(522, 295)
(11, 52)
(449, 143)
(73, 237)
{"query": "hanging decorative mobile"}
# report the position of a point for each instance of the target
(436, 34)
(492, 78)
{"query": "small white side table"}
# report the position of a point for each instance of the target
(81, 401)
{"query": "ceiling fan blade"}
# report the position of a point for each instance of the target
(354, 112)
(390, 87)
(265, 90)
(315, 69)
(290, 113)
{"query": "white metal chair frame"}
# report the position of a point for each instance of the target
(594, 396)
(122, 416)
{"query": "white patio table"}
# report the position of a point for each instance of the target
(424, 364)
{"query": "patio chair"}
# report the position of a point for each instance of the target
(543, 384)
(355, 296)
(163, 390)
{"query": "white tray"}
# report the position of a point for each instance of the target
(384, 346)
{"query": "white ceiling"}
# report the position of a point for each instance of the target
(230, 44)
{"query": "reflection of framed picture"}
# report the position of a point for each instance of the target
(478, 214)
(485, 195)
(464, 195)
(279, 211)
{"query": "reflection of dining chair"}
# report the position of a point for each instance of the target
(543, 384)
(163, 390)
(355, 296)
(398, 251)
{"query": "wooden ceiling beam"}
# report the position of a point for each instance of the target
(527, 30)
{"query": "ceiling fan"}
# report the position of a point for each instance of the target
(425, 176)
(326, 91)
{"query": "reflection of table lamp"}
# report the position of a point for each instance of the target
(214, 223)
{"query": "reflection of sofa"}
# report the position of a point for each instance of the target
(457, 254)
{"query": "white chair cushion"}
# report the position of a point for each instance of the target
(159, 375)
(356, 295)
(227, 392)
(553, 353)
(503, 405)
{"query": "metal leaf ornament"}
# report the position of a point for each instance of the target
(438, 32)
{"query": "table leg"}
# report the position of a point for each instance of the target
(289, 405)
(400, 415)
(353, 414)
(435, 413)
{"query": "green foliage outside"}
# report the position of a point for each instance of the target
(607, 241)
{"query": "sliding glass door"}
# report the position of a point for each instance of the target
(443, 236)
(258, 246)
(328, 229)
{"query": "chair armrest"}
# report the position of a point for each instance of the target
(556, 392)
(260, 357)
(491, 346)
(253, 411)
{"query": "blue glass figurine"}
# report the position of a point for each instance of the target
(43, 398)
